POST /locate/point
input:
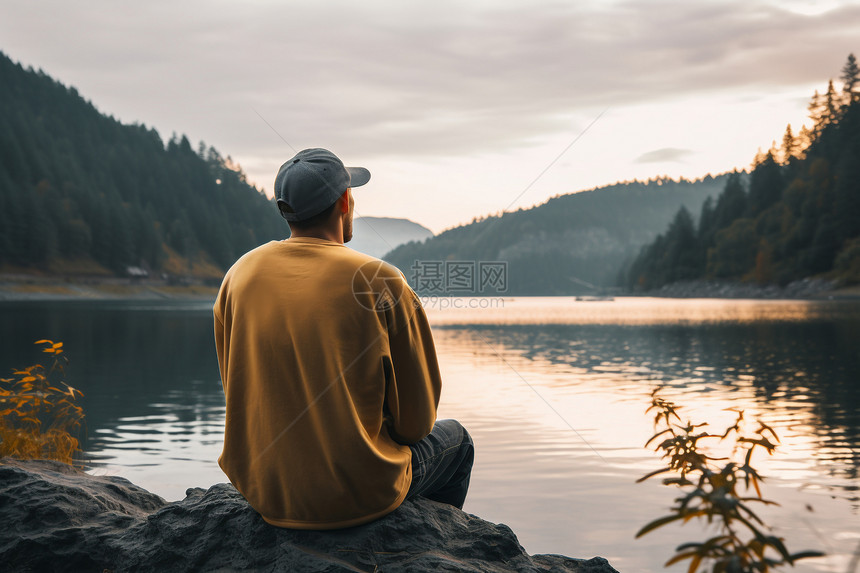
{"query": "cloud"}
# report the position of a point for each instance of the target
(664, 155)
(417, 80)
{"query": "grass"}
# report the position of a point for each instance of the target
(42, 288)
(38, 414)
(177, 265)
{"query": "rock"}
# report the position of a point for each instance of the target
(57, 518)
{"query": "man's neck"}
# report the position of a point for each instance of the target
(328, 234)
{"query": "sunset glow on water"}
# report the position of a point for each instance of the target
(554, 392)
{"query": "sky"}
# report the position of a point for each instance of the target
(459, 109)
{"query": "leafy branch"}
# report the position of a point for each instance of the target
(712, 490)
(38, 414)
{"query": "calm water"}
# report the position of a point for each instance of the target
(553, 391)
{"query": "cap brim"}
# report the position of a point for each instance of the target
(358, 176)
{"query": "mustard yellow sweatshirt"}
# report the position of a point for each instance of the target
(329, 368)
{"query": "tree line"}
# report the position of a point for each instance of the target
(79, 185)
(796, 215)
(572, 244)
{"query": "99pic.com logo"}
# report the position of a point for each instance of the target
(377, 286)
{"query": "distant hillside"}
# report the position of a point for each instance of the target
(80, 190)
(797, 216)
(564, 245)
(376, 236)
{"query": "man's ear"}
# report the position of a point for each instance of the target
(284, 208)
(343, 202)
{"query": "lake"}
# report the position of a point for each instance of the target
(553, 391)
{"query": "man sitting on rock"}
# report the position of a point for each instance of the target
(329, 369)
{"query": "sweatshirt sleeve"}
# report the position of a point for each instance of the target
(221, 339)
(414, 384)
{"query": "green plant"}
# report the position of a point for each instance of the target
(712, 490)
(37, 411)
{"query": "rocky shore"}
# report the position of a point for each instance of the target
(58, 518)
(803, 289)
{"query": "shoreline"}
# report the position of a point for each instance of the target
(96, 295)
(812, 289)
(23, 288)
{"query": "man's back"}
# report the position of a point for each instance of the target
(324, 382)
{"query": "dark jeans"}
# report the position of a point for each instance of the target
(442, 464)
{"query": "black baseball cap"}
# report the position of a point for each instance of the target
(312, 181)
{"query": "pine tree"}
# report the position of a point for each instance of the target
(851, 80)
(816, 114)
(734, 252)
(731, 203)
(831, 105)
(846, 205)
(707, 222)
(773, 150)
(766, 184)
(804, 140)
(681, 258)
(789, 146)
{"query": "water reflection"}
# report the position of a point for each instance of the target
(630, 311)
(802, 377)
(792, 364)
(597, 380)
(553, 391)
(152, 391)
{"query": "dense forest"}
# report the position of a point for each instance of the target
(572, 244)
(796, 215)
(76, 185)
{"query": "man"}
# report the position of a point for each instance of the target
(329, 369)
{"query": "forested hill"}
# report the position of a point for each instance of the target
(560, 247)
(79, 190)
(797, 217)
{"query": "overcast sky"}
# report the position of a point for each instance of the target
(457, 108)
